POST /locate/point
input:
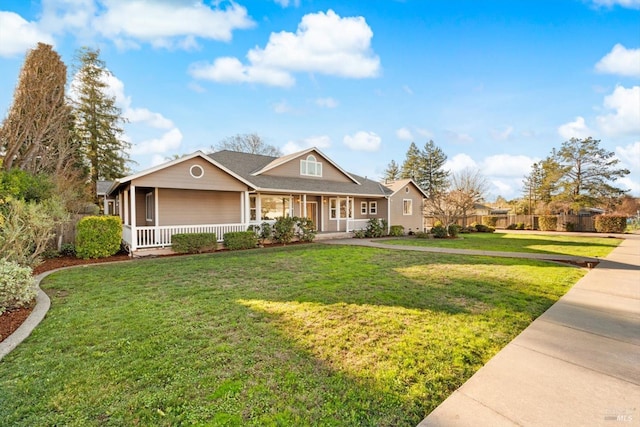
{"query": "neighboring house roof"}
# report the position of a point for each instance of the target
(248, 165)
(102, 187)
(398, 185)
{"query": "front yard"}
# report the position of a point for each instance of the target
(301, 335)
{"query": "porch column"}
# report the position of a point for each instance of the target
(120, 206)
(322, 199)
(347, 214)
(247, 208)
(304, 206)
(127, 216)
(156, 216)
(258, 209)
(134, 233)
(388, 214)
(105, 205)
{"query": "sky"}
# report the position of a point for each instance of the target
(497, 84)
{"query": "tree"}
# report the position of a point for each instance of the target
(36, 134)
(587, 173)
(392, 172)
(412, 163)
(247, 143)
(425, 167)
(99, 120)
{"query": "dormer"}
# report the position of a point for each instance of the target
(310, 166)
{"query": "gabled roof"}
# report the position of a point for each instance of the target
(117, 183)
(398, 185)
(102, 187)
(284, 159)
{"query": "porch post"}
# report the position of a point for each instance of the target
(134, 233)
(156, 216)
(304, 206)
(105, 205)
(120, 206)
(258, 209)
(126, 208)
(322, 199)
(247, 208)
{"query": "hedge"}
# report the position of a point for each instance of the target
(98, 236)
(490, 221)
(194, 243)
(548, 222)
(396, 230)
(236, 240)
(17, 286)
(610, 223)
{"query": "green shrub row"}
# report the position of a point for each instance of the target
(17, 286)
(194, 243)
(610, 223)
(98, 236)
(396, 231)
(240, 240)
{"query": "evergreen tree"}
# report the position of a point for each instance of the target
(392, 172)
(425, 167)
(99, 120)
(412, 163)
(36, 134)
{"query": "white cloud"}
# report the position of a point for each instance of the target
(363, 141)
(460, 162)
(323, 43)
(424, 133)
(628, 183)
(404, 134)
(326, 102)
(575, 129)
(169, 141)
(287, 3)
(502, 135)
(625, 120)
(320, 141)
(620, 61)
(630, 155)
(631, 4)
(506, 165)
(18, 35)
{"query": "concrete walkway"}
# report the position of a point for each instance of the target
(576, 365)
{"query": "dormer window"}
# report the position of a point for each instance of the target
(310, 166)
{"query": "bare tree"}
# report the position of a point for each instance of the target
(250, 143)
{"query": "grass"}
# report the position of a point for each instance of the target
(301, 335)
(514, 242)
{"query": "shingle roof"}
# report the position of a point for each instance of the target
(244, 165)
(102, 187)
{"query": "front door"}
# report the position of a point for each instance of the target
(312, 213)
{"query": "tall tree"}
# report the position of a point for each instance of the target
(99, 120)
(588, 172)
(412, 163)
(426, 168)
(250, 143)
(36, 136)
(392, 172)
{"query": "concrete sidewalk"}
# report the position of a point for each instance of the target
(576, 365)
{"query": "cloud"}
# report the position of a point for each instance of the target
(321, 141)
(458, 138)
(620, 61)
(575, 129)
(506, 165)
(459, 162)
(502, 135)
(18, 35)
(630, 155)
(287, 3)
(282, 107)
(169, 141)
(404, 134)
(625, 118)
(326, 102)
(363, 141)
(324, 43)
(631, 4)
(424, 133)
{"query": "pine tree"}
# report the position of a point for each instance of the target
(425, 167)
(392, 172)
(412, 163)
(99, 120)
(36, 134)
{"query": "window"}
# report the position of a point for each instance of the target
(407, 205)
(196, 171)
(149, 205)
(310, 167)
(406, 189)
(373, 208)
(333, 209)
(346, 208)
(272, 207)
(253, 208)
(363, 208)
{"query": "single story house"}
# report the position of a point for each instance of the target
(229, 191)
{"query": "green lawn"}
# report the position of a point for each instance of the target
(301, 335)
(514, 242)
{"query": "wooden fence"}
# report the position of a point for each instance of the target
(579, 222)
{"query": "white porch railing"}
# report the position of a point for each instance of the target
(160, 236)
(356, 224)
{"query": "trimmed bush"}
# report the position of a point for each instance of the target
(569, 226)
(194, 243)
(263, 231)
(439, 231)
(454, 230)
(548, 222)
(376, 228)
(306, 229)
(481, 228)
(98, 236)
(284, 229)
(422, 235)
(240, 240)
(610, 223)
(520, 226)
(490, 221)
(396, 231)
(17, 286)
(512, 227)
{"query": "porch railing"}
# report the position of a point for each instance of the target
(160, 236)
(356, 224)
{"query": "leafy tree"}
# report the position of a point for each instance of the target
(587, 173)
(36, 134)
(99, 120)
(247, 143)
(22, 185)
(392, 172)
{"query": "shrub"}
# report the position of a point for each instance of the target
(439, 231)
(194, 243)
(98, 236)
(284, 229)
(482, 228)
(548, 222)
(263, 231)
(512, 227)
(396, 230)
(376, 227)
(610, 223)
(422, 235)
(17, 286)
(490, 221)
(68, 249)
(569, 226)
(359, 234)
(236, 240)
(520, 226)
(454, 230)
(306, 230)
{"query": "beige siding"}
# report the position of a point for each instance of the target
(178, 176)
(413, 222)
(189, 207)
(292, 169)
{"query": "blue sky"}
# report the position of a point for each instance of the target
(496, 84)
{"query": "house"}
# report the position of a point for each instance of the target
(229, 191)
(108, 205)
